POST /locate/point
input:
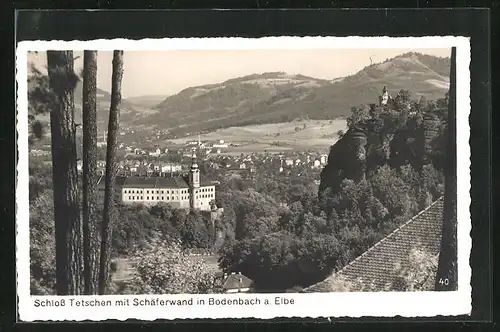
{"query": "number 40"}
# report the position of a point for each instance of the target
(444, 281)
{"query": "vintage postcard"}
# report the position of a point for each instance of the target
(243, 178)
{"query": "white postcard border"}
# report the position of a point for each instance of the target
(313, 305)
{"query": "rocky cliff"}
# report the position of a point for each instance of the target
(398, 133)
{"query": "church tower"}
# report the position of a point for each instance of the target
(194, 182)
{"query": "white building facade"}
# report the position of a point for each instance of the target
(179, 192)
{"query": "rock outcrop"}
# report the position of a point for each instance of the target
(347, 159)
(415, 140)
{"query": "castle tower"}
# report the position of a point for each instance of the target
(194, 182)
(385, 97)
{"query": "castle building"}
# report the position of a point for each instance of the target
(384, 98)
(180, 192)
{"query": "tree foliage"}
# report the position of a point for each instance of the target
(42, 245)
(166, 269)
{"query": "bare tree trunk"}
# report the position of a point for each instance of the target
(90, 221)
(111, 169)
(447, 267)
(62, 81)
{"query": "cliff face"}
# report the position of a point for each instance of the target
(347, 159)
(391, 136)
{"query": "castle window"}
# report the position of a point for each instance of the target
(147, 198)
(162, 191)
(157, 191)
(147, 191)
(129, 198)
(162, 198)
(168, 198)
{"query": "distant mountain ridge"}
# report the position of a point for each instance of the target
(128, 111)
(274, 97)
(279, 97)
(147, 101)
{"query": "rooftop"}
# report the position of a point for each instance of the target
(237, 281)
(377, 265)
(155, 182)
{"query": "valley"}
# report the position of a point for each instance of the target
(275, 137)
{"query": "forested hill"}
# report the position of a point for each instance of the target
(279, 97)
(128, 111)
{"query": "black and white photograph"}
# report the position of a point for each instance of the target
(198, 176)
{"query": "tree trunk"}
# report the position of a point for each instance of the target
(111, 169)
(62, 81)
(90, 221)
(447, 267)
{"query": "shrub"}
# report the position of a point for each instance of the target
(420, 272)
(42, 245)
(169, 270)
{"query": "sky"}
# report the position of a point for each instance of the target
(168, 72)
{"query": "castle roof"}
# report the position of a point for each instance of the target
(377, 265)
(175, 182)
(119, 181)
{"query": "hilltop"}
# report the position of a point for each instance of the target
(128, 111)
(279, 97)
(146, 102)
